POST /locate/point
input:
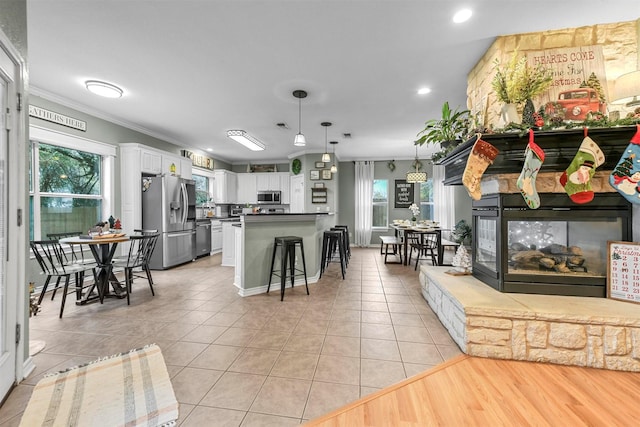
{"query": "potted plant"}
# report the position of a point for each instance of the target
(517, 82)
(447, 130)
(462, 233)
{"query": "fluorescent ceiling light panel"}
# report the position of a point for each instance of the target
(245, 139)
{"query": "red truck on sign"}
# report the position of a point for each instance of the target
(577, 103)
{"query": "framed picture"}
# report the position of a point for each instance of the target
(314, 174)
(404, 194)
(326, 173)
(318, 185)
(319, 165)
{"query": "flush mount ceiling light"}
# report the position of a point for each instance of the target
(103, 89)
(334, 167)
(417, 176)
(462, 15)
(325, 157)
(245, 139)
(424, 91)
(300, 140)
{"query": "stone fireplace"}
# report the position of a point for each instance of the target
(561, 247)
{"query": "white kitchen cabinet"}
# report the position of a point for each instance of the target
(285, 187)
(268, 181)
(247, 188)
(186, 168)
(151, 161)
(228, 244)
(216, 236)
(238, 248)
(225, 186)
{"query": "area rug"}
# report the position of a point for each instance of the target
(36, 346)
(128, 389)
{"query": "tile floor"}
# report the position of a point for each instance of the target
(254, 361)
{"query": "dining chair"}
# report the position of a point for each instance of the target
(426, 247)
(151, 249)
(71, 254)
(52, 261)
(141, 248)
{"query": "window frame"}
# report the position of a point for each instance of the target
(374, 203)
(39, 135)
(426, 203)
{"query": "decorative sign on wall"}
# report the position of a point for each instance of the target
(404, 193)
(198, 160)
(623, 272)
(53, 117)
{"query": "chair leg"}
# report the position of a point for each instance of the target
(304, 268)
(64, 293)
(149, 278)
(53, 294)
(44, 289)
(292, 262)
(273, 260)
(128, 280)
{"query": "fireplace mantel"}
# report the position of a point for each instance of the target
(560, 147)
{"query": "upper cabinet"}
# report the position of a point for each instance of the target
(250, 183)
(247, 188)
(151, 161)
(225, 186)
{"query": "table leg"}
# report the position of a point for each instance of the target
(440, 248)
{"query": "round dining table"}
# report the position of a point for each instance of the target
(103, 248)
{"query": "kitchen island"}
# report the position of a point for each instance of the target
(254, 241)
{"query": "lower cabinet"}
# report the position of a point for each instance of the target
(228, 244)
(216, 237)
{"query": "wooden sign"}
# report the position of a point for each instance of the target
(198, 160)
(404, 193)
(623, 271)
(53, 117)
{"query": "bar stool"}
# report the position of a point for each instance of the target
(331, 239)
(343, 241)
(346, 235)
(288, 246)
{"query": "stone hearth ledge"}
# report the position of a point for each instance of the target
(566, 330)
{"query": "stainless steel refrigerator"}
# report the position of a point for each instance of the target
(169, 206)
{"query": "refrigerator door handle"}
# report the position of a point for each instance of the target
(185, 202)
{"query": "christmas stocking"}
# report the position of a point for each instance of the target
(576, 180)
(482, 155)
(626, 176)
(533, 158)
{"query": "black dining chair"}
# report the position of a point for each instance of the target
(145, 267)
(426, 247)
(54, 264)
(141, 247)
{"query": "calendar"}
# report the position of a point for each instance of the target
(623, 272)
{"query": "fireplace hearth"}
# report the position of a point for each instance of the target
(558, 249)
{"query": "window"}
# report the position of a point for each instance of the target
(380, 203)
(426, 200)
(70, 183)
(202, 189)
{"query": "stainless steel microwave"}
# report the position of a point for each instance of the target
(269, 197)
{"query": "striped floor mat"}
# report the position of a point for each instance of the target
(128, 389)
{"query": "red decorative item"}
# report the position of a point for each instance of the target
(117, 225)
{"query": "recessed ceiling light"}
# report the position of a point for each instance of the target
(462, 16)
(210, 149)
(424, 91)
(103, 89)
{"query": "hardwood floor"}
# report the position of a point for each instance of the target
(471, 391)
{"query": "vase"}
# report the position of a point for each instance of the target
(509, 114)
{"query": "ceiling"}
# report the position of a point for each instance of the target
(191, 70)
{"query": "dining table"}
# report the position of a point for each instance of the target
(402, 231)
(103, 248)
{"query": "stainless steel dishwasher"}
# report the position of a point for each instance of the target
(203, 237)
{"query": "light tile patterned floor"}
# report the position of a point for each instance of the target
(255, 361)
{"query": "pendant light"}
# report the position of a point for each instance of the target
(300, 140)
(334, 167)
(325, 157)
(417, 176)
